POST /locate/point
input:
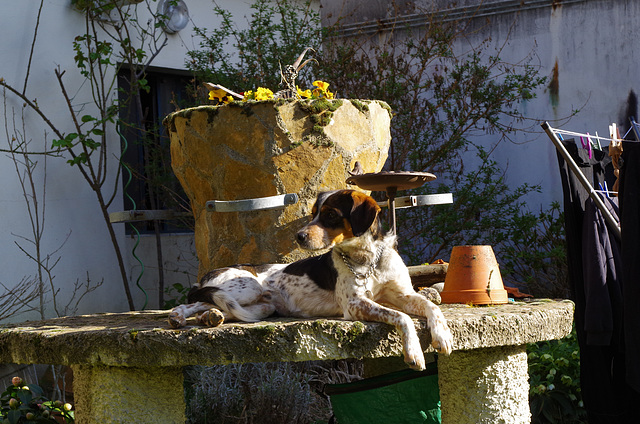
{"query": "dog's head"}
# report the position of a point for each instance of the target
(339, 216)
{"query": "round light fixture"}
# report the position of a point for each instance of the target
(173, 14)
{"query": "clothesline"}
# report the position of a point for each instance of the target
(596, 137)
(553, 135)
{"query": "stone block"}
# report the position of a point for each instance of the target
(260, 149)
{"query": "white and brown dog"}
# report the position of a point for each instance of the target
(361, 271)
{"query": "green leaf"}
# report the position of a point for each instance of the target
(14, 416)
(87, 118)
(35, 389)
(25, 397)
(82, 158)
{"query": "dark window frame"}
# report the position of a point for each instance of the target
(146, 147)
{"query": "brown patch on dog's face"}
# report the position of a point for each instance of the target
(338, 217)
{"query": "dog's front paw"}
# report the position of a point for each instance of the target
(431, 294)
(211, 318)
(441, 338)
(413, 355)
(176, 319)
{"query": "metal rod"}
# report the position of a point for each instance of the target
(613, 224)
(391, 195)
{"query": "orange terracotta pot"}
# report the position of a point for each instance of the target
(473, 277)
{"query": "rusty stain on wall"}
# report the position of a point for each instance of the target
(554, 85)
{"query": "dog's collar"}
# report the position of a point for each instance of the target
(362, 279)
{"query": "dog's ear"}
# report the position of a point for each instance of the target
(363, 214)
(320, 198)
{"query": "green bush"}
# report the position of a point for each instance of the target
(554, 373)
(276, 34)
(24, 403)
(533, 253)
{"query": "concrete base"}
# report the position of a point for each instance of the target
(128, 395)
(485, 386)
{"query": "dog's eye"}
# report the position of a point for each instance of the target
(331, 218)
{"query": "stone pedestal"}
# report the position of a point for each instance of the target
(127, 366)
(128, 394)
(485, 386)
(251, 150)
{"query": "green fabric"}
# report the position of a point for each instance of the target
(401, 397)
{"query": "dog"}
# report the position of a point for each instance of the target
(361, 272)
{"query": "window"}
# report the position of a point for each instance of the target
(145, 145)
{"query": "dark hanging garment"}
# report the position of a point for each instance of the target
(602, 274)
(595, 275)
(630, 222)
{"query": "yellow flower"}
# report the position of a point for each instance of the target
(322, 86)
(263, 94)
(248, 95)
(217, 94)
(328, 94)
(304, 94)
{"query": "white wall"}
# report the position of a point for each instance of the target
(71, 207)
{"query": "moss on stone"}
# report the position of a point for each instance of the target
(362, 106)
(133, 334)
(321, 113)
(282, 102)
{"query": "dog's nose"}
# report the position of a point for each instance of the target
(302, 237)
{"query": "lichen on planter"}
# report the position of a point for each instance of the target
(258, 149)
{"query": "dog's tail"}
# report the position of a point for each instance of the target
(225, 302)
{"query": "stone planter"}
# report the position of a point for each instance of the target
(260, 149)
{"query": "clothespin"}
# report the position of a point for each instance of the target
(615, 151)
(604, 189)
(591, 143)
(586, 145)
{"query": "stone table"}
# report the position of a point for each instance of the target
(130, 364)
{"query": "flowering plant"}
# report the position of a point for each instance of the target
(23, 401)
(320, 91)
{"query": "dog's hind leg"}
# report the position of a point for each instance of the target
(214, 316)
(178, 315)
(211, 318)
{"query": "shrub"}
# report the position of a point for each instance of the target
(533, 253)
(554, 372)
(23, 402)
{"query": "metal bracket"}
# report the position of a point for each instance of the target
(420, 200)
(245, 205)
(146, 215)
